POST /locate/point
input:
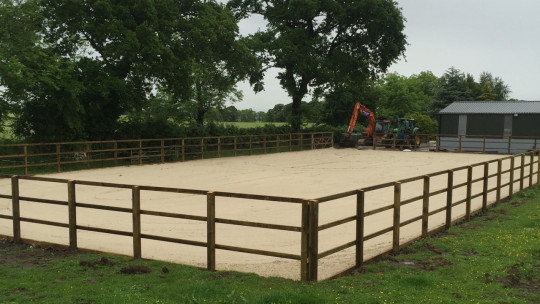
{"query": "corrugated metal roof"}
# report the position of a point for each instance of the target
(492, 107)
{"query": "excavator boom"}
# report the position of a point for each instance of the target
(362, 110)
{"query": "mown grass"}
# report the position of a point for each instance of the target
(495, 258)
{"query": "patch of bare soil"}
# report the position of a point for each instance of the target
(135, 269)
(93, 264)
(30, 255)
(515, 278)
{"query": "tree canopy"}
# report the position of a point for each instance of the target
(323, 44)
(70, 69)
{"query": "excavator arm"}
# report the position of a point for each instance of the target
(360, 109)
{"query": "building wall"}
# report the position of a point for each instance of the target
(448, 124)
(491, 124)
(526, 125)
(485, 124)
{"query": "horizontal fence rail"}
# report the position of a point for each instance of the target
(56, 157)
(480, 180)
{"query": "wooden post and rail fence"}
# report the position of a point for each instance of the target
(491, 172)
(49, 157)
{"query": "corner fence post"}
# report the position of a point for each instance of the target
(360, 197)
(211, 230)
(313, 252)
(511, 185)
(469, 191)
(304, 242)
(16, 211)
(449, 192)
(425, 207)
(397, 203)
(72, 212)
(136, 202)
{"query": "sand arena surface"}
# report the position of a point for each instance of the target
(307, 174)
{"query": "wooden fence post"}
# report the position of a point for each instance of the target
(264, 144)
(484, 144)
(360, 197)
(459, 142)
(235, 143)
(88, 155)
(202, 148)
(509, 144)
(277, 143)
(522, 172)
(485, 188)
(531, 169)
(162, 150)
(251, 145)
(140, 152)
(511, 185)
(136, 202)
(449, 192)
(15, 208)
(469, 190)
(304, 242)
(72, 212)
(183, 149)
(25, 151)
(312, 141)
(538, 169)
(425, 206)
(397, 221)
(313, 252)
(211, 231)
(290, 142)
(58, 158)
(115, 146)
(499, 170)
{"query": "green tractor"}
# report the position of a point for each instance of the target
(403, 134)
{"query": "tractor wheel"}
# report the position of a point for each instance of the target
(417, 141)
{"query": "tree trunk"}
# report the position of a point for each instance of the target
(296, 114)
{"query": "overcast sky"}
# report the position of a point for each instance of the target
(497, 36)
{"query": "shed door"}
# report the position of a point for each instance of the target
(462, 125)
(507, 125)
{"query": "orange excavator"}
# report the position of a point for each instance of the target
(379, 127)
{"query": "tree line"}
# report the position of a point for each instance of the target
(100, 69)
(392, 96)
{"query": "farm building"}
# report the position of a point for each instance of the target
(490, 126)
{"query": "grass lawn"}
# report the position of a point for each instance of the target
(495, 258)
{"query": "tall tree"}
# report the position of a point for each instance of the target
(220, 59)
(323, 44)
(453, 87)
(492, 88)
(80, 65)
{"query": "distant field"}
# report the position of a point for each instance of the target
(255, 124)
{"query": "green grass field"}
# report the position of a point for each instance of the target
(256, 124)
(495, 258)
